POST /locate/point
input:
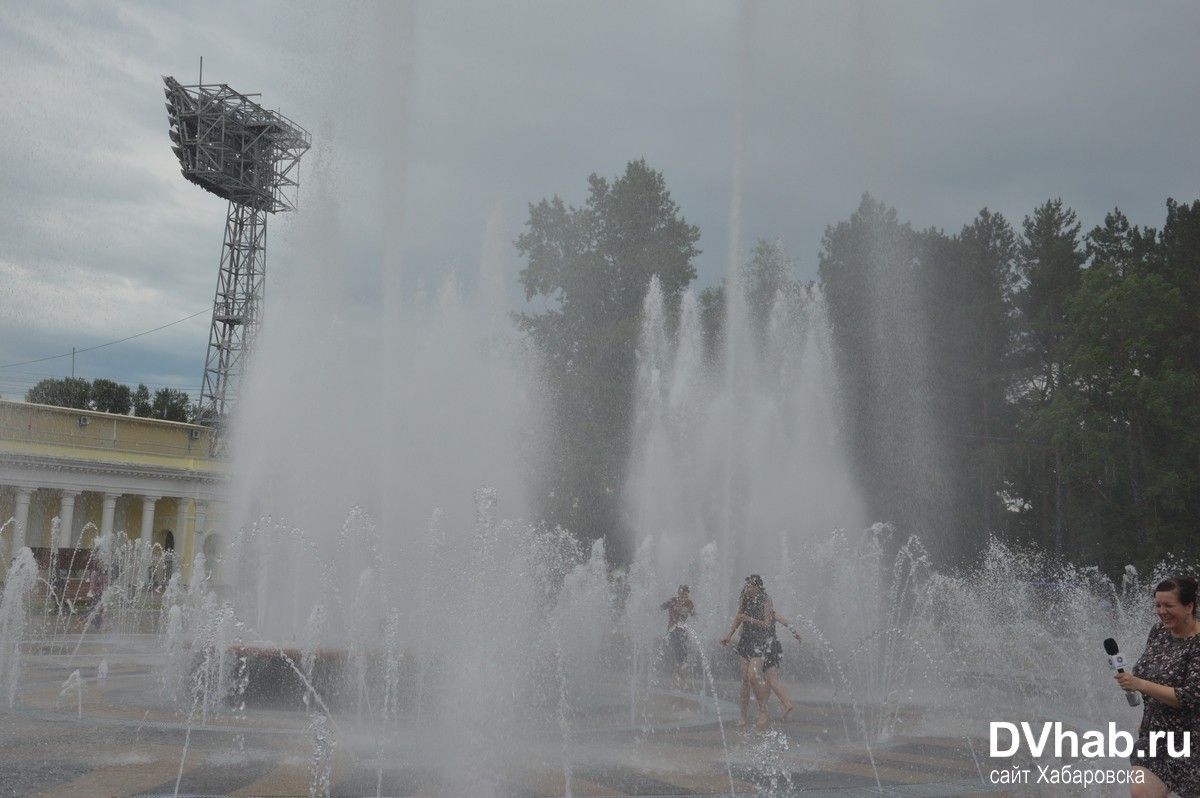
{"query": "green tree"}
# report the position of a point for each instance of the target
(1128, 249)
(711, 302)
(871, 272)
(1117, 399)
(968, 285)
(111, 397)
(142, 406)
(1179, 263)
(1070, 392)
(767, 278)
(170, 404)
(73, 392)
(591, 266)
(1050, 266)
(1127, 404)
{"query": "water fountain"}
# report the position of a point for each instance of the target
(398, 633)
(381, 621)
(475, 654)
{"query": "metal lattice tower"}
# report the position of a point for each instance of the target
(231, 146)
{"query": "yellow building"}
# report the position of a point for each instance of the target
(100, 473)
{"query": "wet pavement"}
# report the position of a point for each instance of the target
(109, 733)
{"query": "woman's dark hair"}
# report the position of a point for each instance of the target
(1185, 586)
(755, 580)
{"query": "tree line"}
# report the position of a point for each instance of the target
(1039, 384)
(1047, 380)
(107, 396)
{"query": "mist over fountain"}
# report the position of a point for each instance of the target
(381, 454)
(741, 454)
(380, 587)
(390, 530)
(380, 558)
(405, 413)
(380, 590)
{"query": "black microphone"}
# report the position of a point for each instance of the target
(1117, 663)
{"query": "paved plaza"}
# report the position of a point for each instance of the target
(107, 732)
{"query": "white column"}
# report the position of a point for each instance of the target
(147, 539)
(181, 525)
(24, 495)
(201, 537)
(180, 536)
(106, 515)
(66, 519)
(148, 503)
(201, 510)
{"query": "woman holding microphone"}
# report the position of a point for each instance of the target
(1168, 677)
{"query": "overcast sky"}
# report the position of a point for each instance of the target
(435, 123)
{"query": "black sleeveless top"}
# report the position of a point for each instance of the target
(755, 640)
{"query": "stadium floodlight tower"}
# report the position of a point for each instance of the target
(233, 147)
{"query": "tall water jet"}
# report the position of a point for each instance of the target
(397, 410)
(14, 618)
(377, 558)
(754, 464)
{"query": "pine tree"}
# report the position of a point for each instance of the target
(591, 266)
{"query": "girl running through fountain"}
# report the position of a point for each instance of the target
(756, 617)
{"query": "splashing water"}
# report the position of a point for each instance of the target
(14, 619)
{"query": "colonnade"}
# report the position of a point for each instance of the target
(70, 537)
(84, 516)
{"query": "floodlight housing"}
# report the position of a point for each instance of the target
(230, 145)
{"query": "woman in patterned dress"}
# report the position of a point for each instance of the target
(1168, 676)
(756, 618)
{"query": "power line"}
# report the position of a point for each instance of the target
(110, 343)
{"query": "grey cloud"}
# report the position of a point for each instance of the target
(433, 117)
